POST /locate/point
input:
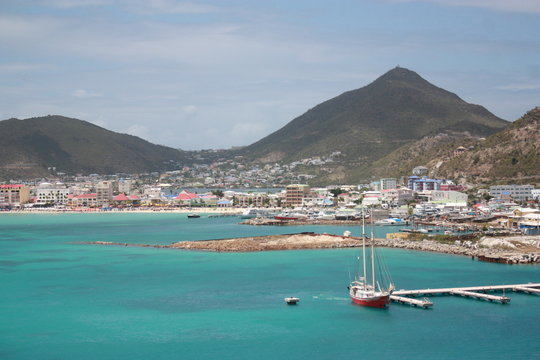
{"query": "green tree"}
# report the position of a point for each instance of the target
(218, 193)
(335, 192)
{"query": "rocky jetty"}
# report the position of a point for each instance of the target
(507, 250)
(272, 242)
(270, 221)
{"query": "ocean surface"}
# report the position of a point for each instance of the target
(62, 299)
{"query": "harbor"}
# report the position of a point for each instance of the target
(474, 292)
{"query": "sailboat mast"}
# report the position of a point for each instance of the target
(364, 245)
(372, 255)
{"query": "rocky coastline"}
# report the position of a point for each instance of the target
(507, 250)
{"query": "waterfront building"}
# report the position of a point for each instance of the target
(82, 200)
(51, 194)
(371, 198)
(186, 198)
(515, 192)
(124, 186)
(295, 194)
(396, 197)
(14, 195)
(251, 199)
(152, 192)
(104, 193)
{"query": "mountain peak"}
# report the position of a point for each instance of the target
(400, 74)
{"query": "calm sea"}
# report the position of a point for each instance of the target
(61, 299)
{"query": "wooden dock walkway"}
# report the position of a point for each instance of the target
(501, 299)
(425, 303)
(477, 292)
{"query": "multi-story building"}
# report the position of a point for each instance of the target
(452, 187)
(251, 199)
(397, 197)
(124, 186)
(14, 195)
(82, 200)
(388, 183)
(515, 192)
(295, 194)
(448, 196)
(371, 198)
(51, 194)
(104, 193)
(417, 183)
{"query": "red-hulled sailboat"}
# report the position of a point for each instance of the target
(369, 293)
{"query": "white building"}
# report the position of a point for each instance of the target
(152, 193)
(515, 192)
(371, 198)
(397, 197)
(448, 196)
(104, 193)
(124, 186)
(51, 194)
(388, 183)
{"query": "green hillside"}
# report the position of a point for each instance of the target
(30, 146)
(368, 123)
(511, 155)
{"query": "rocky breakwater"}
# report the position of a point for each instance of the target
(270, 221)
(506, 250)
(272, 242)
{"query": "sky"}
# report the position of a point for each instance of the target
(217, 74)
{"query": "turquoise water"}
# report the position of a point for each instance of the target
(64, 300)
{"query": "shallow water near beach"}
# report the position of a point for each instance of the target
(62, 299)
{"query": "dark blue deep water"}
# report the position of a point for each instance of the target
(61, 299)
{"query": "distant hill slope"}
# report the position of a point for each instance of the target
(511, 155)
(368, 123)
(28, 147)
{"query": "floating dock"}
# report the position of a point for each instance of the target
(476, 292)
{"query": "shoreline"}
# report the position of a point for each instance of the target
(526, 248)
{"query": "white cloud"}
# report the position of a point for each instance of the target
(149, 7)
(84, 94)
(523, 6)
(66, 4)
(190, 109)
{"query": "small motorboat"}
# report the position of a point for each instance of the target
(193, 216)
(292, 300)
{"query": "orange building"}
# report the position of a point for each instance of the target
(14, 195)
(295, 194)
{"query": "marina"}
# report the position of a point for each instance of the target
(475, 292)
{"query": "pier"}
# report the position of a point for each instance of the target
(425, 303)
(476, 292)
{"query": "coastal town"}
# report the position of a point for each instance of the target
(441, 213)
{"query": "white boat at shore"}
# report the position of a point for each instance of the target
(391, 222)
(255, 213)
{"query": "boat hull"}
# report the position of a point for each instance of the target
(285, 218)
(375, 301)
